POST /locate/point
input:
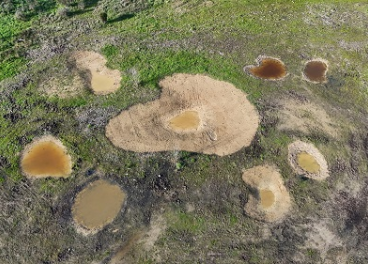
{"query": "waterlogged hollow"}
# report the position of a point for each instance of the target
(97, 205)
(46, 158)
(188, 120)
(307, 162)
(315, 71)
(101, 82)
(267, 198)
(269, 68)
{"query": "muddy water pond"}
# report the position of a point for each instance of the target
(268, 68)
(267, 198)
(307, 162)
(188, 120)
(46, 158)
(315, 71)
(102, 83)
(97, 205)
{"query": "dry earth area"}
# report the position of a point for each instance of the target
(269, 199)
(102, 80)
(305, 116)
(46, 157)
(194, 113)
(62, 88)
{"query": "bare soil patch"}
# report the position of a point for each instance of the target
(103, 80)
(96, 206)
(305, 117)
(46, 157)
(63, 88)
(194, 113)
(313, 165)
(271, 201)
(315, 71)
(267, 68)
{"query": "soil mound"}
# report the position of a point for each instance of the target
(103, 80)
(307, 160)
(268, 68)
(46, 157)
(270, 200)
(96, 206)
(315, 71)
(194, 113)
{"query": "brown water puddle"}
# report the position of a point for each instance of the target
(97, 205)
(188, 120)
(102, 83)
(268, 68)
(315, 71)
(46, 158)
(267, 198)
(307, 162)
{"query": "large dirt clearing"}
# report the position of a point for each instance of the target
(195, 113)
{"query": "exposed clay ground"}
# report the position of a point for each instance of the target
(228, 121)
(298, 147)
(269, 200)
(46, 157)
(102, 79)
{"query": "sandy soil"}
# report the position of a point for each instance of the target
(299, 146)
(103, 80)
(266, 179)
(228, 121)
(46, 157)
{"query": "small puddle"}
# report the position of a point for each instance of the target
(46, 158)
(315, 71)
(307, 162)
(97, 205)
(188, 120)
(102, 83)
(267, 198)
(269, 68)
(103, 80)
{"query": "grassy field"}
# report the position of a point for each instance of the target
(199, 198)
